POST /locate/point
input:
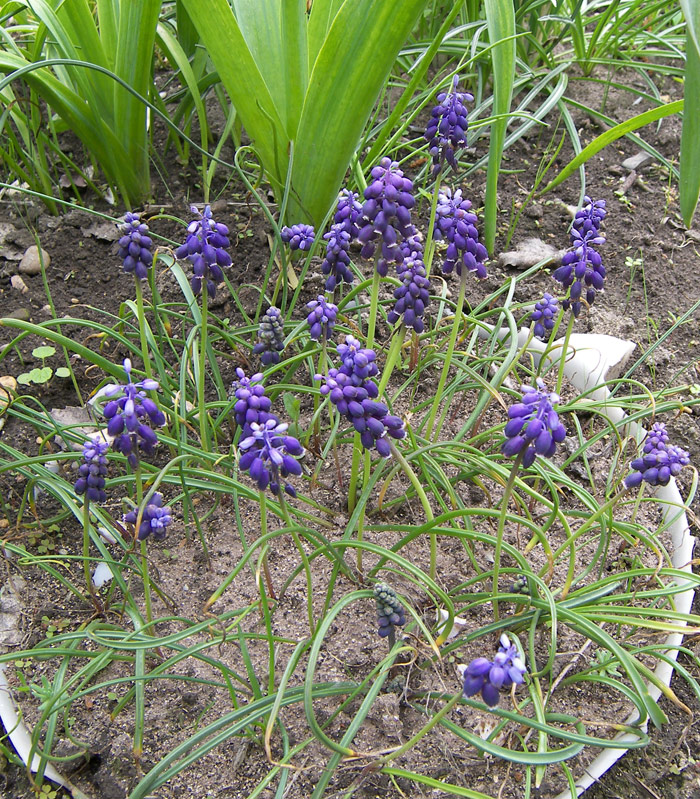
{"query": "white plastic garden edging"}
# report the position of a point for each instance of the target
(592, 360)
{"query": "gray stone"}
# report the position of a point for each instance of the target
(31, 261)
(21, 313)
(637, 161)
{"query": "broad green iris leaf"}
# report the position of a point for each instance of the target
(304, 83)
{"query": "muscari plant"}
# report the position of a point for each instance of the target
(378, 412)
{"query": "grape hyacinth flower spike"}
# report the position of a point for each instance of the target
(386, 214)
(489, 676)
(154, 519)
(533, 428)
(93, 470)
(390, 612)
(129, 417)
(544, 315)
(269, 455)
(336, 264)
(252, 405)
(271, 337)
(298, 237)
(455, 223)
(205, 248)
(348, 213)
(353, 392)
(135, 246)
(447, 129)
(321, 318)
(659, 461)
(413, 295)
(582, 267)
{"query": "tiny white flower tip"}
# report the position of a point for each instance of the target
(505, 641)
(461, 668)
(519, 665)
(127, 366)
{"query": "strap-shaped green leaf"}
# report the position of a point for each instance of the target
(243, 80)
(690, 136)
(500, 19)
(352, 65)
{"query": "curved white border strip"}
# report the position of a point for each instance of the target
(591, 360)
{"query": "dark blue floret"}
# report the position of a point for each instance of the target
(447, 129)
(270, 337)
(129, 417)
(390, 612)
(205, 248)
(135, 246)
(489, 676)
(93, 470)
(533, 427)
(455, 223)
(544, 315)
(154, 519)
(268, 455)
(386, 214)
(659, 461)
(299, 237)
(321, 318)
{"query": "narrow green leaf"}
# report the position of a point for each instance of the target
(690, 135)
(612, 135)
(500, 19)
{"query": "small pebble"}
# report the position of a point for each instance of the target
(637, 161)
(17, 283)
(31, 261)
(21, 313)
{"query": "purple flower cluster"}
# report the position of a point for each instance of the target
(489, 676)
(589, 217)
(336, 264)
(455, 223)
(251, 403)
(414, 293)
(298, 237)
(544, 314)
(348, 212)
(659, 460)
(386, 214)
(154, 519)
(390, 612)
(205, 249)
(533, 427)
(129, 415)
(321, 318)
(268, 454)
(135, 246)
(447, 129)
(582, 267)
(93, 470)
(271, 337)
(353, 392)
